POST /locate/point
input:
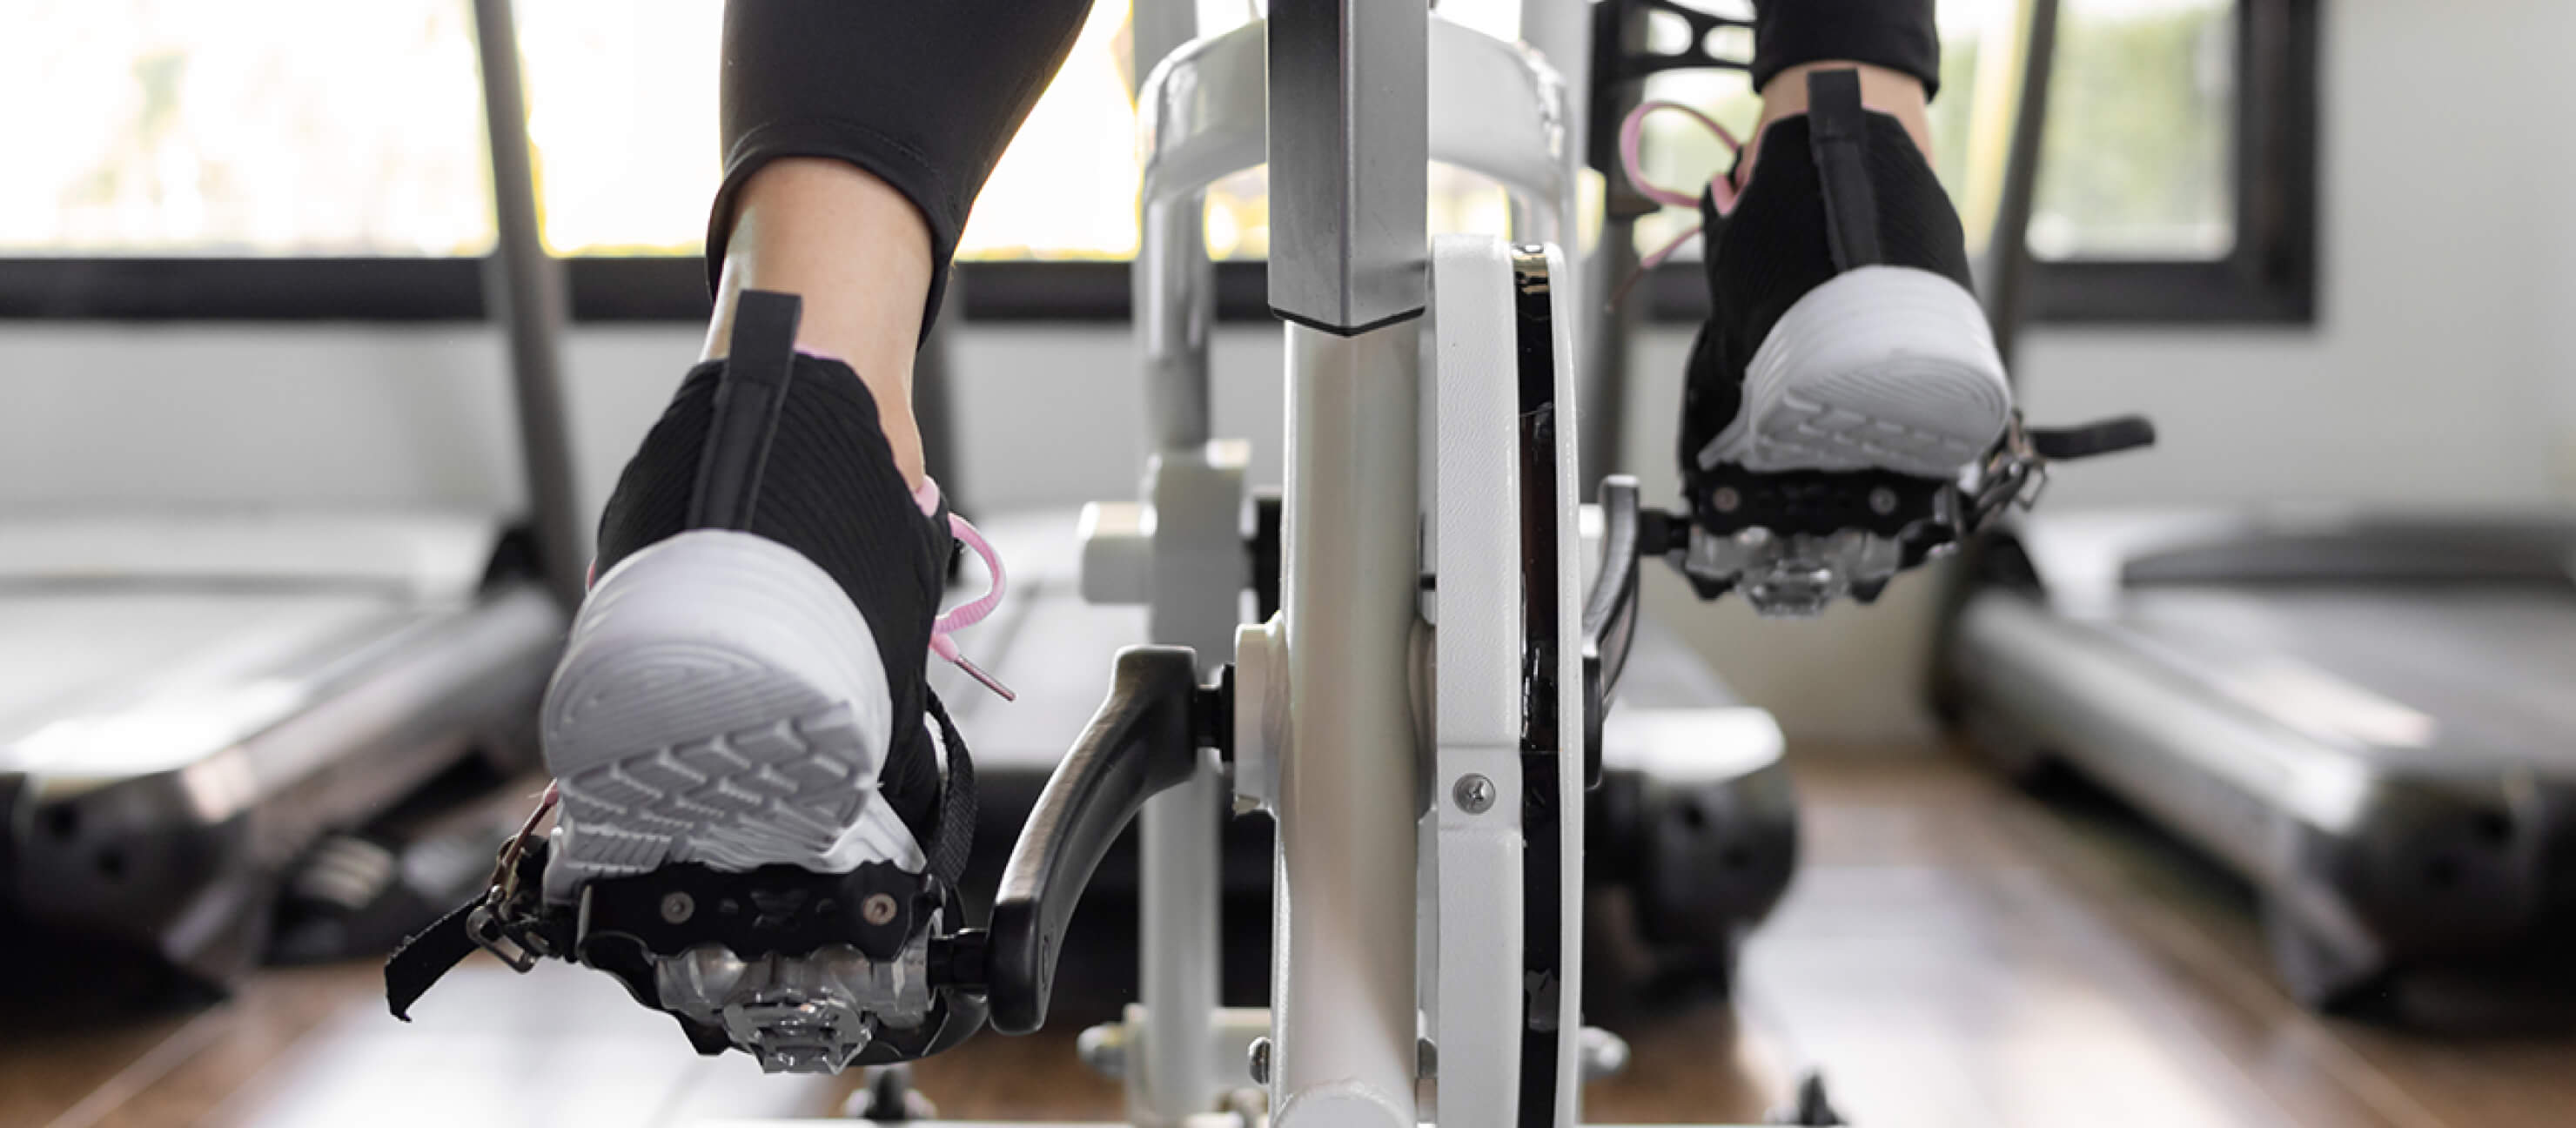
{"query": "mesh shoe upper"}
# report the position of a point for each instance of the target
(1774, 247)
(831, 491)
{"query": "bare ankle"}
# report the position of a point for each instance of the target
(1894, 93)
(858, 253)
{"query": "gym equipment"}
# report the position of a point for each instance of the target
(2365, 716)
(1693, 830)
(1793, 543)
(1422, 714)
(1189, 547)
(197, 703)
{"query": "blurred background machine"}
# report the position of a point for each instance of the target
(2370, 718)
(235, 730)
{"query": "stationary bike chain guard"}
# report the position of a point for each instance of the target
(813, 972)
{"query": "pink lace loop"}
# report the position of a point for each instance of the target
(1720, 189)
(972, 611)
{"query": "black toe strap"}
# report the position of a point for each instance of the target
(1838, 135)
(521, 927)
(427, 957)
(2107, 436)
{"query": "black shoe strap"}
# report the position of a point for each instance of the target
(1838, 135)
(747, 405)
(953, 843)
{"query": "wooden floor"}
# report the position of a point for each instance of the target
(1954, 953)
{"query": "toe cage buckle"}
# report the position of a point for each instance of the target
(509, 920)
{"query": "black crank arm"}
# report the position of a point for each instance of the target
(1145, 739)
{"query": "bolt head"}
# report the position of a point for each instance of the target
(1882, 501)
(1473, 793)
(1260, 1061)
(678, 907)
(1725, 500)
(879, 908)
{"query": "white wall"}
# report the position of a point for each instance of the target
(2440, 373)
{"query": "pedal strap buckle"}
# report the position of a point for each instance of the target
(510, 920)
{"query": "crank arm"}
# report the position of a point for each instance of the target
(1144, 740)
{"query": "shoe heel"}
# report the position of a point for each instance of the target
(720, 701)
(1880, 368)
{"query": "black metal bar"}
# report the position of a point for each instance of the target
(528, 293)
(2006, 272)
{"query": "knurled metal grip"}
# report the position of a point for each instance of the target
(1349, 151)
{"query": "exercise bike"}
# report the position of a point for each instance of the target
(1422, 714)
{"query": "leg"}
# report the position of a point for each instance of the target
(1845, 353)
(858, 253)
(744, 700)
(856, 138)
(1892, 43)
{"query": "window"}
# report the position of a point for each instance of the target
(185, 143)
(2177, 170)
(177, 127)
(2135, 163)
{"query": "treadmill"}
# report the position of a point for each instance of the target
(2371, 718)
(195, 702)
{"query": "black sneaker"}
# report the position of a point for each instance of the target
(744, 693)
(1843, 334)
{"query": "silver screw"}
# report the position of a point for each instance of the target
(1882, 501)
(1474, 793)
(877, 909)
(1725, 499)
(1602, 1054)
(1260, 1061)
(677, 908)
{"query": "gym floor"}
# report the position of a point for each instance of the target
(1953, 953)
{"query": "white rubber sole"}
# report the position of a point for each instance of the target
(1881, 368)
(720, 702)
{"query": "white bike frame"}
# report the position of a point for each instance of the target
(1406, 465)
(1427, 883)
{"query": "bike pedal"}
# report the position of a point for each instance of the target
(1791, 543)
(804, 972)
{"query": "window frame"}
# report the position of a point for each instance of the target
(2270, 276)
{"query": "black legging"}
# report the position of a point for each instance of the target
(924, 94)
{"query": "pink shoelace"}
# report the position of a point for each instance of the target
(1720, 187)
(972, 611)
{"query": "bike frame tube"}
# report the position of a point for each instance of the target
(1343, 996)
(1345, 1024)
(1495, 110)
(1349, 147)
(1174, 1072)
